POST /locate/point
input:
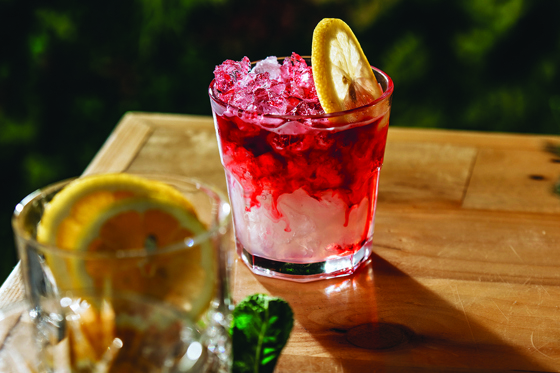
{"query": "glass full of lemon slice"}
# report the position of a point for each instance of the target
(97, 239)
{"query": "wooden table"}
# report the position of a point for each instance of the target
(465, 275)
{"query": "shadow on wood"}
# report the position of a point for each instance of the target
(398, 324)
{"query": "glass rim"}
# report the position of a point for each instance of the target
(385, 96)
(223, 221)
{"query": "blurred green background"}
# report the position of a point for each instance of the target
(70, 69)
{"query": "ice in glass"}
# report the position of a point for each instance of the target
(302, 184)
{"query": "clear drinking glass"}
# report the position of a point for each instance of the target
(303, 189)
(161, 274)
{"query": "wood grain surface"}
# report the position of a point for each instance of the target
(465, 275)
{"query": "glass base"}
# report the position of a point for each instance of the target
(336, 266)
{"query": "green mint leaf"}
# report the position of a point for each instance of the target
(261, 327)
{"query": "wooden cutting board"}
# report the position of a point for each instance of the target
(465, 275)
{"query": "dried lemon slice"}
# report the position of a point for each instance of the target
(342, 74)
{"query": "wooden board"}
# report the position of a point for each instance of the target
(465, 275)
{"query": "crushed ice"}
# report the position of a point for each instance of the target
(268, 88)
(269, 65)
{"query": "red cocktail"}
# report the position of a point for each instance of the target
(302, 184)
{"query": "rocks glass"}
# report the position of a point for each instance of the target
(303, 188)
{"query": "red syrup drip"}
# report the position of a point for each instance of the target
(344, 163)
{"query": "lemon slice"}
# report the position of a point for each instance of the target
(122, 213)
(185, 277)
(342, 74)
(82, 199)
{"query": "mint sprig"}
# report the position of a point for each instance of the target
(261, 328)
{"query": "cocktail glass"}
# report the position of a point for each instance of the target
(162, 274)
(303, 189)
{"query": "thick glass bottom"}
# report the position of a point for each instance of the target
(336, 266)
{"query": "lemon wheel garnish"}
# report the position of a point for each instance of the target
(104, 214)
(343, 77)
